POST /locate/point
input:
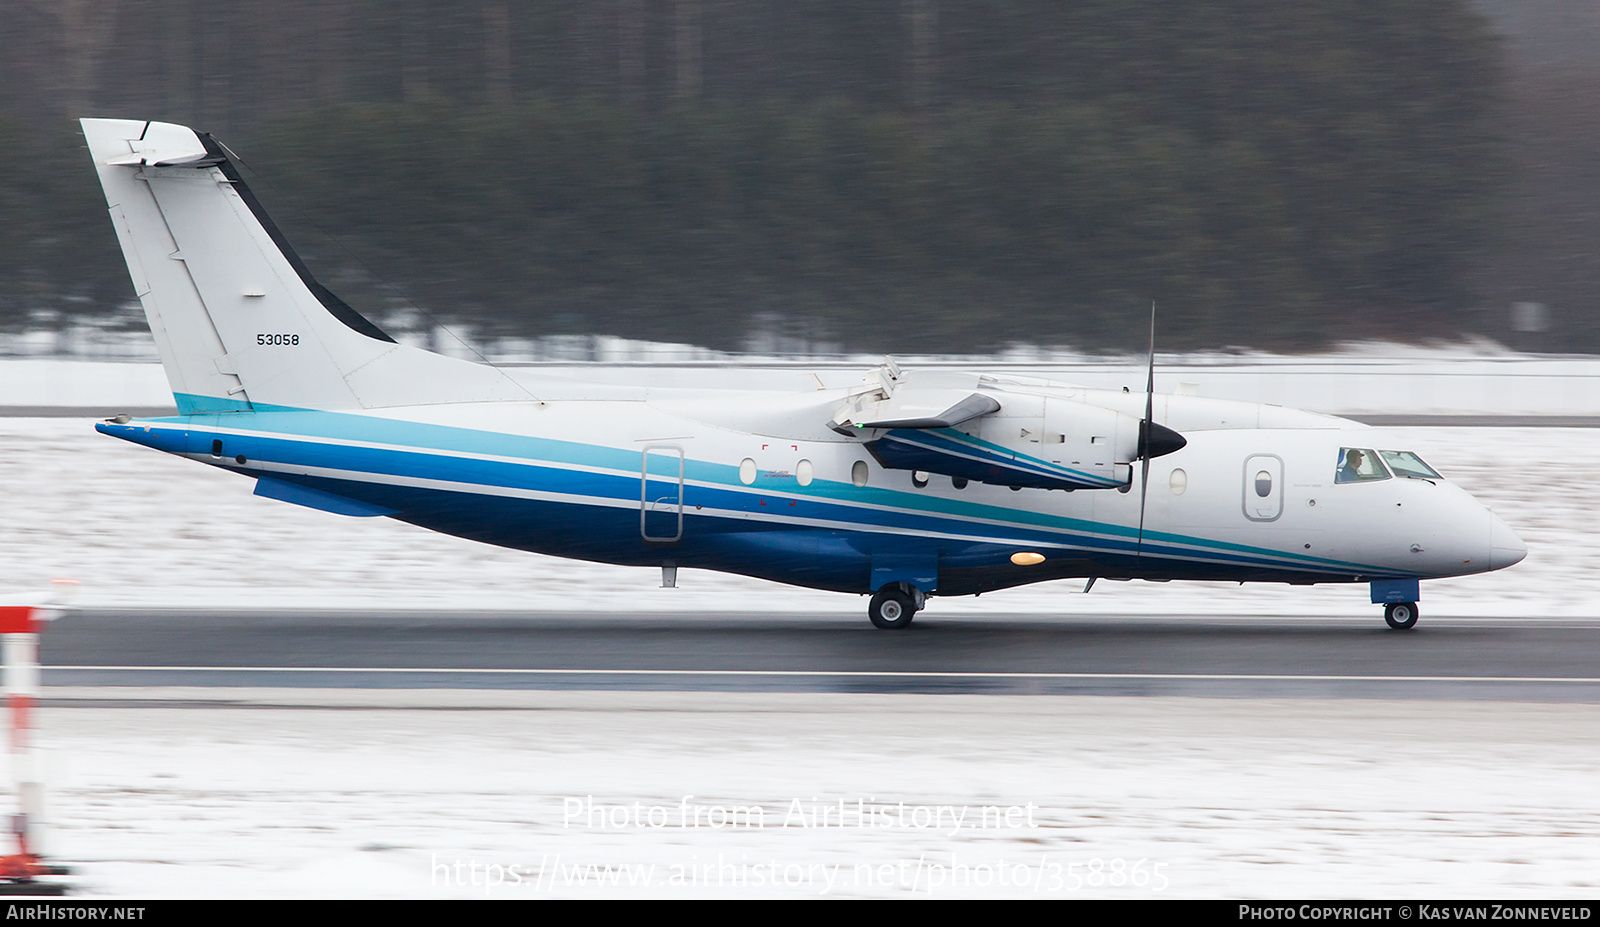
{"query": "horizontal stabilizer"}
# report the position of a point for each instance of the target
(161, 144)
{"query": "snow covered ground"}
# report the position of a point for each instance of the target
(309, 793)
(608, 794)
(140, 528)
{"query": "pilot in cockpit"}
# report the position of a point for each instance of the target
(1359, 465)
(1350, 472)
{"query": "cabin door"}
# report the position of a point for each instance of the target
(661, 494)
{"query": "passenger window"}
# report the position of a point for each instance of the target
(1405, 463)
(1359, 465)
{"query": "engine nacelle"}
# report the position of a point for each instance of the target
(1033, 441)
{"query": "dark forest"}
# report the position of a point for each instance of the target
(915, 175)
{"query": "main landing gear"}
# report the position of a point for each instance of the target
(1402, 616)
(893, 606)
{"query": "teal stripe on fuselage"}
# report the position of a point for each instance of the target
(294, 433)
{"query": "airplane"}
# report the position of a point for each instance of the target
(899, 484)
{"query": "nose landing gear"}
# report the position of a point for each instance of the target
(1402, 616)
(1399, 600)
(893, 606)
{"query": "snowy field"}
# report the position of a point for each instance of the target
(608, 794)
(375, 793)
(141, 528)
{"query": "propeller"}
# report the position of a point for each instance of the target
(1144, 428)
(1154, 440)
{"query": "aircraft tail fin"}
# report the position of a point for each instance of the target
(240, 322)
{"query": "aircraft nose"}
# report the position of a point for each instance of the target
(1505, 548)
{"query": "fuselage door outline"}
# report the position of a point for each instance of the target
(661, 494)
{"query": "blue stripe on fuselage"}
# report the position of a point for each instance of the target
(293, 438)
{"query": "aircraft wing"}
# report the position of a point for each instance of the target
(941, 428)
(911, 407)
(963, 456)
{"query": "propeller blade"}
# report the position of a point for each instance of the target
(1144, 490)
(1154, 440)
(1150, 376)
(1144, 429)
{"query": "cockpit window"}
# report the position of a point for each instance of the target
(1405, 463)
(1359, 465)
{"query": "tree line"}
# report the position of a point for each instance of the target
(922, 175)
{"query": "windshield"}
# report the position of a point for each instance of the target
(1405, 463)
(1359, 465)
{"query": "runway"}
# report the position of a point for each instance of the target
(1092, 655)
(340, 753)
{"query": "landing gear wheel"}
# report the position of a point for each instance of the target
(891, 609)
(1402, 616)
